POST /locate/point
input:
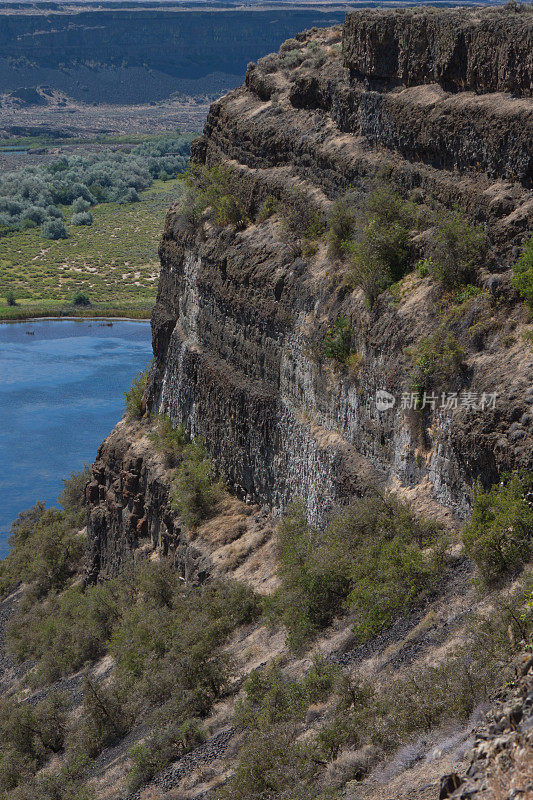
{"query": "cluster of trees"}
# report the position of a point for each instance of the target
(37, 195)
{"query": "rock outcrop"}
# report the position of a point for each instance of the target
(501, 765)
(440, 102)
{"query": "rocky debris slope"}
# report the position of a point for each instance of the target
(502, 757)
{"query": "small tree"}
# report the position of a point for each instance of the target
(195, 489)
(523, 272)
(10, 299)
(80, 204)
(338, 339)
(135, 407)
(81, 299)
(341, 225)
(457, 250)
(499, 536)
(83, 218)
(53, 229)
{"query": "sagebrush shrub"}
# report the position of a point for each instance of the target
(523, 272)
(437, 360)
(83, 218)
(53, 229)
(499, 536)
(135, 407)
(195, 490)
(169, 440)
(380, 246)
(375, 558)
(337, 342)
(457, 249)
(341, 225)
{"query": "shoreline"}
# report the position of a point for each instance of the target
(24, 313)
(16, 320)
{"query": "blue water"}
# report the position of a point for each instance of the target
(61, 392)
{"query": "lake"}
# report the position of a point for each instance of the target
(62, 385)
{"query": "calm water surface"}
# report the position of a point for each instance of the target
(62, 385)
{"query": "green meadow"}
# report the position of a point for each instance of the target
(114, 261)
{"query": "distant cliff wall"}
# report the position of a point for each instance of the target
(138, 55)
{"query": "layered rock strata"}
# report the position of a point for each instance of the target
(439, 101)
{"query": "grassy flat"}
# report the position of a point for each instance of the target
(114, 261)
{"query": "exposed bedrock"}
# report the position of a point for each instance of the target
(241, 315)
(480, 50)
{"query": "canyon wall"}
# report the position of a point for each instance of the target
(141, 53)
(438, 102)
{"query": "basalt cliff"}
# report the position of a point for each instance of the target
(440, 103)
(306, 383)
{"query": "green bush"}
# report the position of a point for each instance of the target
(53, 229)
(337, 342)
(312, 589)
(523, 272)
(167, 641)
(381, 247)
(217, 187)
(72, 497)
(229, 211)
(363, 713)
(272, 698)
(375, 558)
(457, 250)
(135, 406)
(10, 299)
(80, 299)
(79, 205)
(83, 218)
(169, 440)
(106, 717)
(341, 225)
(273, 766)
(437, 360)
(66, 631)
(57, 786)
(292, 58)
(45, 551)
(30, 735)
(397, 560)
(301, 216)
(161, 749)
(499, 536)
(195, 490)
(380, 258)
(269, 207)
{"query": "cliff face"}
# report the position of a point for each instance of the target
(440, 102)
(98, 54)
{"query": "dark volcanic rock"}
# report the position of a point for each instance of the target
(241, 315)
(482, 51)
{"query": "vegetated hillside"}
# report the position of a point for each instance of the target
(136, 55)
(309, 541)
